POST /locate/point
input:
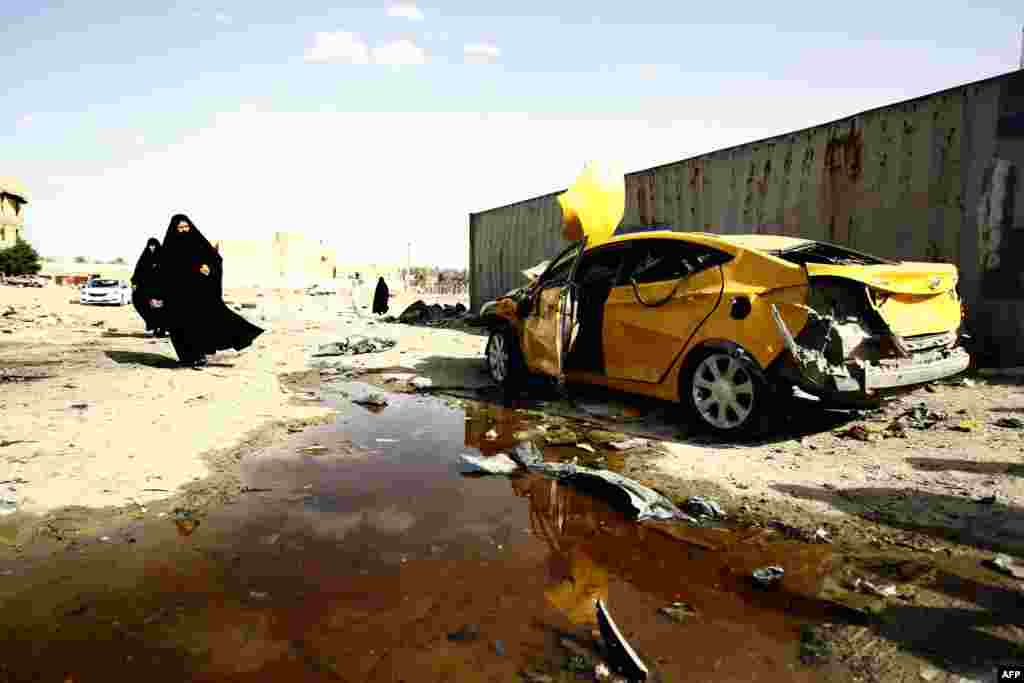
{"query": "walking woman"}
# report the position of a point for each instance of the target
(198, 320)
(380, 298)
(146, 287)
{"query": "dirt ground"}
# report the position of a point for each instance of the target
(914, 496)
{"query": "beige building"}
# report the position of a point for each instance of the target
(13, 199)
(289, 260)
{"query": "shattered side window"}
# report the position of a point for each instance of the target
(661, 260)
(559, 269)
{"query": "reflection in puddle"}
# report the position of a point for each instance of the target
(355, 561)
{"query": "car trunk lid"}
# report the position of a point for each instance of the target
(912, 298)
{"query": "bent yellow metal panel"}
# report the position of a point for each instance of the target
(540, 334)
(909, 315)
(757, 332)
(640, 342)
(594, 205)
(904, 278)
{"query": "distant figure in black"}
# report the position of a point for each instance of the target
(146, 287)
(195, 315)
(380, 298)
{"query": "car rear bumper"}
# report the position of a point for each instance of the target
(913, 371)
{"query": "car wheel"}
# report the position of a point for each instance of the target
(724, 394)
(504, 359)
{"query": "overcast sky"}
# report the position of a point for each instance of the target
(373, 126)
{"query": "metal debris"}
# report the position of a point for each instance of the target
(372, 400)
(698, 506)
(628, 444)
(679, 612)
(646, 503)
(766, 576)
(355, 345)
(621, 656)
(1007, 565)
(1010, 422)
(586, 447)
(492, 464)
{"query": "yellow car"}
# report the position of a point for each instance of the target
(726, 324)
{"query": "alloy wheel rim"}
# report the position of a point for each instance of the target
(498, 358)
(723, 391)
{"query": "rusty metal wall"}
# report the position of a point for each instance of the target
(936, 178)
(504, 242)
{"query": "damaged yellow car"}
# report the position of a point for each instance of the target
(726, 324)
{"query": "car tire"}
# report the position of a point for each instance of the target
(504, 359)
(724, 393)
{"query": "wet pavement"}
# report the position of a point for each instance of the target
(361, 552)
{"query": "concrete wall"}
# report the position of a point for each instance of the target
(287, 260)
(936, 178)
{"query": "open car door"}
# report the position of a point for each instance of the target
(551, 327)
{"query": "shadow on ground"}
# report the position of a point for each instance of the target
(151, 360)
(126, 335)
(463, 373)
(959, 519)
(956, 465)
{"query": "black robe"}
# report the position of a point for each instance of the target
(146, 285)
(380, 298)
(197, 318)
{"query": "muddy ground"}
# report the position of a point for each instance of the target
(912, 498)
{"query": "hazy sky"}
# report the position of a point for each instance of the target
(375, 125)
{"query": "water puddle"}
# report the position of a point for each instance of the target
(362, 553)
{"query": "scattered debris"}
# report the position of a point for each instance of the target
(422, 382)
(586, 447)
(646, 503)
(560, 437)
(315, 450)
(929, 673)
(622, 658)
(766, 576)
(8, 506)
(355, 345)
(1010, 422)
(920, 417)
(822, 536)
(491, 434)
(968, 425)
(1006, 565)
(865, 586)
(372, 400)
(629, 444)
(860, 433)
(698, 506)
(489, 464)
(814, 649)
(258, 595)
(679, 612)
(499, 648)
(466, 634)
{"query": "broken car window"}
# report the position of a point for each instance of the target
(661, 260)
(825, 253)
(558, 272)
(601, 267)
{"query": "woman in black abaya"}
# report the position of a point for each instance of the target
(198, 320)
(145, 287)
(380, 298)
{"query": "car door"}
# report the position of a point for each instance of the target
(549, 331)
(598, 272)
(667, 289)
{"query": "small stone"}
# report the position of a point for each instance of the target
(586, 447)
(929, 673)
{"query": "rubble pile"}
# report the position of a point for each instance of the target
(355, 345)
(433, 315)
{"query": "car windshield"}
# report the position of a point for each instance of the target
(103, 283)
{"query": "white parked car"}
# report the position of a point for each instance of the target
(103, 291)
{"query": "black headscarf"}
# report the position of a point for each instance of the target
(144, 274)
(183, 255)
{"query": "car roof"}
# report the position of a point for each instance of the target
(767, 243)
